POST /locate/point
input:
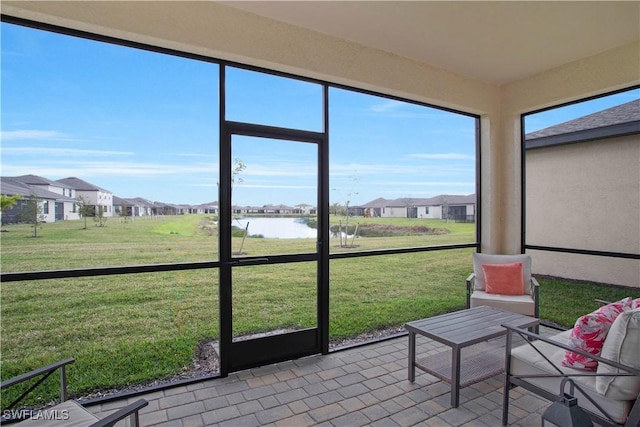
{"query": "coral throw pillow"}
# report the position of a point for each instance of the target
(505, 279)
(590, 332)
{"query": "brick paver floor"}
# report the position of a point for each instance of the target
(361, 386)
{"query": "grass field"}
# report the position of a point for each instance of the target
(130, 329)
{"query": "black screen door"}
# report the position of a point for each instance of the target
(270, 280)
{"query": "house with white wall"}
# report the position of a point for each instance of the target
(65, 207)
(91, 194)
(455, 207)
(47, 200)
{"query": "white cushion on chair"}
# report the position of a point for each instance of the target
(526, 361)
(622, 345)
(521, 304)
(480, 259)
(66, 414)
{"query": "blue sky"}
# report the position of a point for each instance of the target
(142, 124)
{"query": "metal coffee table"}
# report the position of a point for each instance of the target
(472, 358)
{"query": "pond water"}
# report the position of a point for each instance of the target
(279, 228)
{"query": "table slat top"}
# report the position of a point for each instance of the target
(466, 327)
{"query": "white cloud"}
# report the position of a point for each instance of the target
(442, 156)
(62, 152)
(389, 105)
(274, 186)
(354, 170)
(198, 155)
(283, 169)
(23, 134)
(89, 169)
(429, 183)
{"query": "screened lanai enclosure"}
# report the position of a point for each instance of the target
(192, 174)
(195, 188)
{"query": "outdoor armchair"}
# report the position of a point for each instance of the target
(68, 413)
(608, 395)
(504, 282)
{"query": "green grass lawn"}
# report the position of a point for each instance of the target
(130, 329)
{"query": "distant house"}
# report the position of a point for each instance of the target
(141, 206)
(46, 200)
(305, 209)
(375, 207)
(279, 209)
(454, 207)
(209, 208)
(55, 200)
(122, 207)
(65, 206)
(583, 193)
(162, 208)
(92, 195)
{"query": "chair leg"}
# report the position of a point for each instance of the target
(505, 400)
(634, 415)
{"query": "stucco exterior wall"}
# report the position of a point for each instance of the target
(585, 196)
(611, 70)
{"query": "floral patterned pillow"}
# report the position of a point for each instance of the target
(589, 334)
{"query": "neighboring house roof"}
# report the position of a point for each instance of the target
(377, 203)
(118, 201)
(620, 120)
(14, 186)
(403, 202)
(277, 207)
(451, 199)
(81, 185)
(37, 180)
(136, 201)
(443, 199)
(142, 202)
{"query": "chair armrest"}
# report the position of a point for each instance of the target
(130, 410)
(470, 282)
(535, 293)
(534, 283)
(601, 302)
(43, 373)
(36, 372)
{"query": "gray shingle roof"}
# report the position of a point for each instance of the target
(81, 185)
(442, 199)
(624, 113)
(37, 180)
(377, 203)
(13, 185)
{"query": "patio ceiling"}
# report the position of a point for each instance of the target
(494, 42)
(497, 42)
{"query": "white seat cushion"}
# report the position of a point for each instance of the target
(525, 360)
(66, 414)
(521, 304)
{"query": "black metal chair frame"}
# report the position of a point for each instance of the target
(633, 420)
(131, 410)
